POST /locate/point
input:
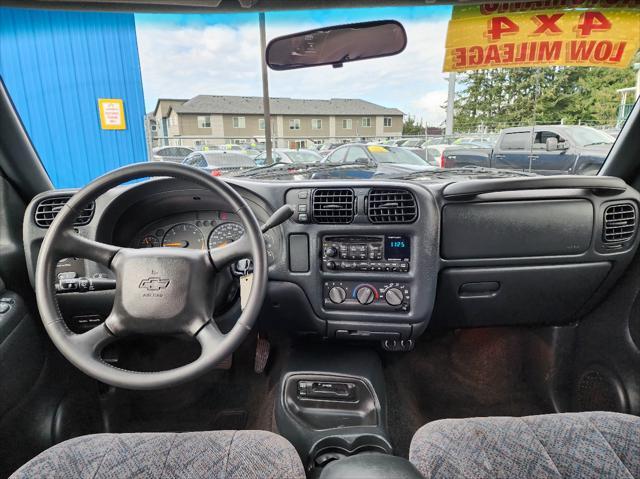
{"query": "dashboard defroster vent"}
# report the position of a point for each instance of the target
(619, 223)
(48, 208)
(333, 206)
(391, 206)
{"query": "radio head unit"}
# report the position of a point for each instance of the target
(366, 253)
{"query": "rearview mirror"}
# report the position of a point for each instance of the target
(552, 143)
(336, 45)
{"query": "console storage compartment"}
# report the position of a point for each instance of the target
(371, 466)
(332, 404)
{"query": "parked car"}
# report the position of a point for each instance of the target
(386, 160)
(171, 153)
(414, 143)
(289, 155)
(483, 141)
(327, 148)
(251, 153)
(430, 156)
(547, 149)
(217, 161)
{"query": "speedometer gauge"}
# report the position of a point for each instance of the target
(224, 234)
(184, 236)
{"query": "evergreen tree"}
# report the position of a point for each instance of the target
(412, 127)
(502, 98)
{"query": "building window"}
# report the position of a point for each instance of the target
(316, 124)
(260, 123)
(238, 122)
(294, 124)
(388, 121)
(346, 124)
(204, 122)
(366, 122)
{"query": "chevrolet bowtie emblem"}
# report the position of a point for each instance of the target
(154, 283)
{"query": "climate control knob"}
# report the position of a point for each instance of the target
(365, 295)
(394, 297)
(337, 294)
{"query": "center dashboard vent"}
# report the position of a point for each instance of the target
(391, 206)
(619, 223)
(48, 208)
(333, 206)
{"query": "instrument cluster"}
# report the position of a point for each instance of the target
(196, 230)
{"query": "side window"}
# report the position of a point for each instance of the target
(355, 153)
(515, 141)
(540, 140)
(338, 155)
(190, 160)
(182, 152)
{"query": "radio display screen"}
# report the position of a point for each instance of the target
(397, 248)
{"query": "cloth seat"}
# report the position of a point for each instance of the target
(193, 455)
(572, 445)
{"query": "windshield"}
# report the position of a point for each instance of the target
(476, 88)
(585, 136)
(382, 154)
(303, 156)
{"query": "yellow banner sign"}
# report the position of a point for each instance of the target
(111, 114)
(530, 34)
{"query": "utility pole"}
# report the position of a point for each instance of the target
(451, 96)
(265, 88)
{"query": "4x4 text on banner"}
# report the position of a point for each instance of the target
(543, 33)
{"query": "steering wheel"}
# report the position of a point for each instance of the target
(159, 291)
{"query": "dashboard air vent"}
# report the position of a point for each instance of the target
(334, 206)
(387, 206)
(619, 223)
(48, 208)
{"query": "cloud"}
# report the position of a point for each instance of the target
(430, 104)
(184, 61)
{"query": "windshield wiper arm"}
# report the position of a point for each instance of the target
(258, 169)
(305, 168)
(465, 170)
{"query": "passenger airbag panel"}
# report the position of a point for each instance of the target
(516, 229)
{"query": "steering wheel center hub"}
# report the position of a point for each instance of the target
(163, 291)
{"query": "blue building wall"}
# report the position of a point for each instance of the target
(56, 65)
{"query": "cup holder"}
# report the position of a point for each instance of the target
(334, 448)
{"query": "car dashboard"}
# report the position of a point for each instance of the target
(378, 260)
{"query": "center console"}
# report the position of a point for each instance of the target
(389, 253)
(332, 404)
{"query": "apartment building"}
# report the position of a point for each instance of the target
(209, 119)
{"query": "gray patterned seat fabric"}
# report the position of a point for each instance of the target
(573, 445)
(194, 455)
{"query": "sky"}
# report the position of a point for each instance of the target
(184, 55)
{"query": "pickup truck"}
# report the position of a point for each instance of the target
(543, 149)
